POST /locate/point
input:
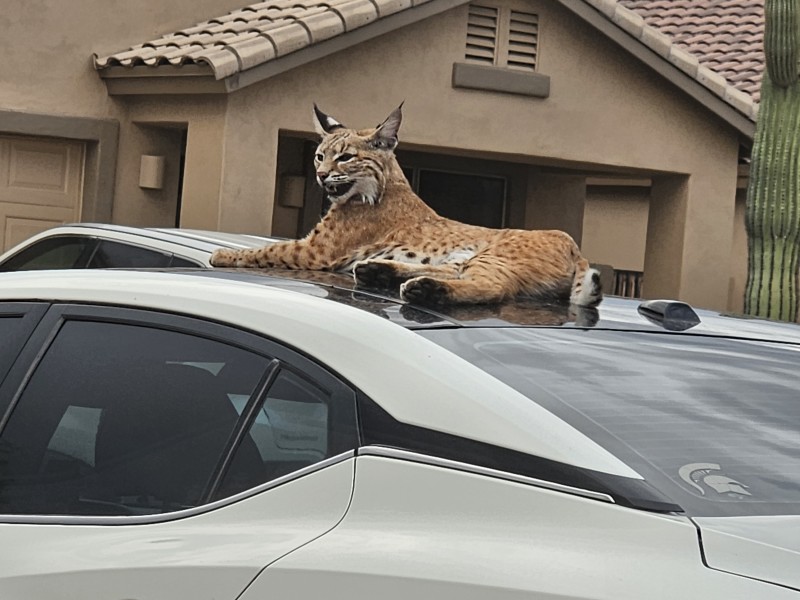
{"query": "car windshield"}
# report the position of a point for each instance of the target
(713, 423)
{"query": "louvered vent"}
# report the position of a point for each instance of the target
(523, 36)
(482, 34)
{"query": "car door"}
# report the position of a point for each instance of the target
(145, 455)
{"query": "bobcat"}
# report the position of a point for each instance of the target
(381, 231)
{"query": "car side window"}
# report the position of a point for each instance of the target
(122, 419)
(119, 255)
(290, 430)
(64, 252)
(177, 261)
(136, 418)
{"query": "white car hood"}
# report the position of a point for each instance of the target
(765, 548)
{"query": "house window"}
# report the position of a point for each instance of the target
(501, 37)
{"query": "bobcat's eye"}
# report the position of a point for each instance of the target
(345, 157)
(319, 157)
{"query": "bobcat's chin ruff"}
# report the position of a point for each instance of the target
(382, 232)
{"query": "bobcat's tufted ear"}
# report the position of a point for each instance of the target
(324, 124)
(385, 135)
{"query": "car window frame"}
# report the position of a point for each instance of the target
(281, 355)
(31, 314)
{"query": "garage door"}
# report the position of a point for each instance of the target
(41, 185)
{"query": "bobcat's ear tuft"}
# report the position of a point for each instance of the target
(385, 135)
(323, 124)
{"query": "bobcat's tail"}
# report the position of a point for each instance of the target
(586, 288)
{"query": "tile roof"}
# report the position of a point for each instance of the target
(716, 42)
(725, 35)
(640, 19)
(256, 34)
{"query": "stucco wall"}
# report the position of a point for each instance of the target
(47, 47)
(615, 226)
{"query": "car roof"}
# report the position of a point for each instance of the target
(614, 312)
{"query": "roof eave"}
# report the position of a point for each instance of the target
(744, 124)
(199, 78)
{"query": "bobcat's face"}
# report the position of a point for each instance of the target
(353, 164)
(346, 168)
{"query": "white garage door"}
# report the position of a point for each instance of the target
(41, 185)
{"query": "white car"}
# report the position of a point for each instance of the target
(98, 246)
(192, 434)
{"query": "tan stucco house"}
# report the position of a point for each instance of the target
(600, 117)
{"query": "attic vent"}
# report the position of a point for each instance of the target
(523, 35)
(500, 37)
(482, 34)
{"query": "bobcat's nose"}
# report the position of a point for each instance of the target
(321, 175)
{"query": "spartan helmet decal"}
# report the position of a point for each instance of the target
(699, 475)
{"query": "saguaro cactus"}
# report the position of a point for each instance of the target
(773, 205)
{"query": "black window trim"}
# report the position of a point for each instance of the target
(281, 355)
(380, 429)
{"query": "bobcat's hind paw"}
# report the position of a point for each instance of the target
(425, 291)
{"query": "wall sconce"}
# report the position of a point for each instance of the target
(151, 172)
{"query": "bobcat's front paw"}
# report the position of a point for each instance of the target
(425, 291)
(222, 257)
(373, 274)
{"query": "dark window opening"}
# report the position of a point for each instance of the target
(181, 175)
(474, 199)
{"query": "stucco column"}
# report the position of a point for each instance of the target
(689, 240)
(556, 201)
(250, 164)
(202, 182)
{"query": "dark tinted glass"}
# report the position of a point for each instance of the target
(123, 420)
(296, 426)
(13, 332)
(184, 262)
(52, 253)
(110, 255)
(713, 423)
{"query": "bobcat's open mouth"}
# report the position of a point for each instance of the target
(335, 190)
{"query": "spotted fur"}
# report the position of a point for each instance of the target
(381, 231)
